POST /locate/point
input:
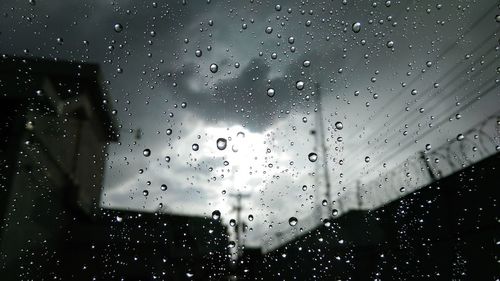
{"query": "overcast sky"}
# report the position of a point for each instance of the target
(156, 61)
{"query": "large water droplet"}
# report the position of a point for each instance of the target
(195, 147)
(221, 143)
(339, 125)
(145, 192)
(216, 214)
(356, 27)
(214, 67)
(250, 217)
(306, 63)
(460, 137)
(198, 53)
(118, 27)
(299, 85)
(269, 30)
(163, 187)
(367, 159)
(270, 92)
(146, 152)
(293, 221)
(312, 157)
(390, 44)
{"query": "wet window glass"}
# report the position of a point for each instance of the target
(249, 140)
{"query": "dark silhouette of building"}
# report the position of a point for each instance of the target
(55, 128)
(447, 230)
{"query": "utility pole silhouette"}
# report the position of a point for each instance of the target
(320, 140)
(238, 207)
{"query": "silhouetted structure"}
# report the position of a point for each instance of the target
(445, 231)
(55, 128)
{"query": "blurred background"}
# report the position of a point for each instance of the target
(249, 140)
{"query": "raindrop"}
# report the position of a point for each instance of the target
(184, 104)
(312, 157)
(221, 143)
(270, 92)
(291, 39)
(402, 189)
(269, 30)
(214, 68)
(118, 27)
(390, 44)
(163, 187)
(145, 192)
(250, 217)
(146, 152)
(195, 147)
(335, 212)
(356, 27)
(277, 7)
(216, 214)
(497, 18)
(339, 125)
(306, 63)
(460, 137)
(293, 221)
(414, 92)
(324, 202)
(367, 159)
(428, 147)
(299, 85)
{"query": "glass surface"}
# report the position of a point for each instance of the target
(249, 140)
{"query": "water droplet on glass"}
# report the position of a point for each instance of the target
(414, 92)
(367, 159)
(312, 157)
(293, 221)
(145, 192)
(402, 189)
(291, 39)
(339, 125)
(195, 147)
(299, 85)
(335, 212)
(118, 27)
(306, 63)
(250, 217)
(269, 30)
(460, 137)
(198, 53)
(356, 27)
(390, 44)
(146, 152)
(270, 92)
(216, 214)
(221, 143)
(163, 187)
(324, 202)
(214, 68)
(277, 7)
(427, 147)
